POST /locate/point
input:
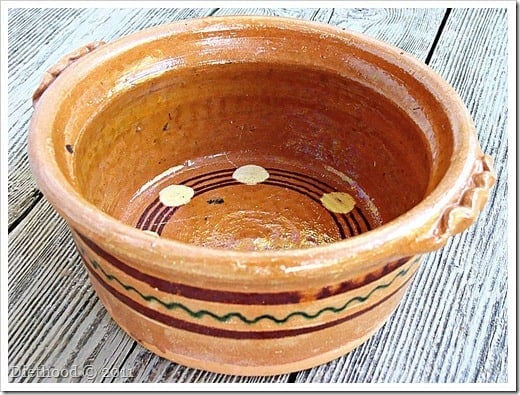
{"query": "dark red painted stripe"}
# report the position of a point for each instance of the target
(283, 172)
(350, 229)
(167, 212)
(350, 217)
(325, 188)
(145, 213)
(320, 185)
(211, 176)
(192, 292)
(215, 185)
(163, 214)
(162, 219)
(335, 218)
(159, 227)
(152, 215)
(349, 285)
(227, 333)
(205, 177)
(360, 213)
(254, 298)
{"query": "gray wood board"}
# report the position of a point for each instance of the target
(39, 37)
(56, 319)
(452, 324)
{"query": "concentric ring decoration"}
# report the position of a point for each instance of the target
(156, 215)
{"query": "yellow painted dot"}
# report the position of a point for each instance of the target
(176, 195)
(250, 174)
(338, 202)
(151, 233)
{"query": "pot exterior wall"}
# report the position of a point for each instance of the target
(245, 333)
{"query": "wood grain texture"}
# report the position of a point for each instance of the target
(56, 320)
(478, 72)
(452, 324)
(37, 38)
(34, 47)
(412, 30)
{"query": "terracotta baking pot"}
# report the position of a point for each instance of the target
(252, 195)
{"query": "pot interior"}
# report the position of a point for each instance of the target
(253, 156)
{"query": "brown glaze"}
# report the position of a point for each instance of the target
(253, 195)
(312, 124)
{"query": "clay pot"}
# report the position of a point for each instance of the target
(253, 195)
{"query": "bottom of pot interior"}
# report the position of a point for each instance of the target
(251, 203)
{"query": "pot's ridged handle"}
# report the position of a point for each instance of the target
(458, 216)
(52, 73)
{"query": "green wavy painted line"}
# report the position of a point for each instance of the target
(229, 316)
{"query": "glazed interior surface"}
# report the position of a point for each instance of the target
(270, 156)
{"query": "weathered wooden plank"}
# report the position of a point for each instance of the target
(57, 321)
(301, 13)
(478, 71)
(86, 342)
(412, 30)
(39, 45)
(54, 313)
(452, 324)
(37, 38)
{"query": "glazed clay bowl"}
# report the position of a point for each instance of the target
(253, 195)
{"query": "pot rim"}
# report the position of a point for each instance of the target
(400, 237)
